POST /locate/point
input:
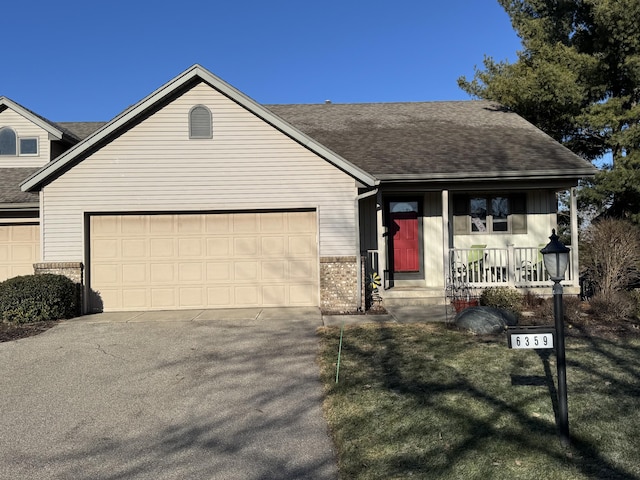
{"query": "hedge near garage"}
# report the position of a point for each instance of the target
(38, 298)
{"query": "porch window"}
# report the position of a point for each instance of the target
(490, 213)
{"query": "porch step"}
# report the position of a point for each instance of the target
(398, 296)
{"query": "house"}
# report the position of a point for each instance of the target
(199, 197)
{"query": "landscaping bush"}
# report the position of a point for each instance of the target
(571, 306)
(610, 256)
(502, 297)
(616, 307)
(37, 298)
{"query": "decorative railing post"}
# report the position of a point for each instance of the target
(511, 265)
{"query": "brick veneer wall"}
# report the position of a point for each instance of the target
(339, 284)
(72, 270)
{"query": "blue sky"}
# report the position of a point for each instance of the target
(83, 60)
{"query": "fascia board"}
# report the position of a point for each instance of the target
(41, 176)
(19, 206)
(496, 175)
(50, 129)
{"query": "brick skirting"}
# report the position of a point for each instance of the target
(339, 284)
(72, 270)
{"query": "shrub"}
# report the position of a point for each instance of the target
(502, 297)
(37, 298)
(616, 307)
(571, 306)
(610, 255)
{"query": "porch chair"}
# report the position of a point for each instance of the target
(475, 263)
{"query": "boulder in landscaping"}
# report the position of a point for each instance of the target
(485, 320)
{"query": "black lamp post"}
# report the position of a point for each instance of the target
(556, 259)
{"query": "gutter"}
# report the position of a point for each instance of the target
(358, 253)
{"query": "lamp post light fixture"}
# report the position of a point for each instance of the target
(556, 259)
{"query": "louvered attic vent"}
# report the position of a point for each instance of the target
(200, 123)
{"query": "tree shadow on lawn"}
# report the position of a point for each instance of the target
(479, 414)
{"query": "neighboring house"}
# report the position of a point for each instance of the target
(199, 197)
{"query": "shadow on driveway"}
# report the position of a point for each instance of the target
(213, 398)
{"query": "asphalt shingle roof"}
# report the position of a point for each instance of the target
(81, 129)
(10, 179)
(423, 138)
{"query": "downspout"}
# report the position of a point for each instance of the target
(358, 253)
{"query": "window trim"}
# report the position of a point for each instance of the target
(462, 219)
(35, 154)
(203, 108)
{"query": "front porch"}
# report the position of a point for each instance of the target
(476, 269)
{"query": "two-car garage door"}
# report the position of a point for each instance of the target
(204, 260)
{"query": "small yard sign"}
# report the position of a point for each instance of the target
(533, 337)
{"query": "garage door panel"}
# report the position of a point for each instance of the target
(245, 247)
(276, 270)
(136, 248)
(218, 272)
(274, 295)
(190, 247)
(245, 272)
(162, 247)
(163, 298)
(245, 223)
(301, 295)
(190, 272)
(163, 273)
(205, 260)
(134, 298)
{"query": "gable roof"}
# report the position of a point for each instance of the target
(56, 131)
(436, 140)
(194, 74)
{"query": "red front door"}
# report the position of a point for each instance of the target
(405, 241)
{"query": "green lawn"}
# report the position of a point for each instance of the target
(428, 401)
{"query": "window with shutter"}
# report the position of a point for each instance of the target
(490, 214)
(200, 122)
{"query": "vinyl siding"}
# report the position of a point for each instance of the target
(24, 129)
(154, 166)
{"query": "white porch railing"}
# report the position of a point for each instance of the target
(490, 267)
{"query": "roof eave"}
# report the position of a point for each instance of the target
(489, 176)
(53, 132)
(14, 207)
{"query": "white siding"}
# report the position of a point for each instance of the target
(24, 128)
(154, 166)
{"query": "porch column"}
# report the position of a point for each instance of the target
(445, 235)
(382, 241)
(575, 270)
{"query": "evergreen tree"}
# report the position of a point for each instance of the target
(578, 79)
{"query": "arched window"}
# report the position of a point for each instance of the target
(7, 141)
(200, 123)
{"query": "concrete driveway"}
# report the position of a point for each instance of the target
(168, 395)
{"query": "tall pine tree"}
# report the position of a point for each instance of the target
(578, 79)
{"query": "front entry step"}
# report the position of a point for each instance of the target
(413, 296)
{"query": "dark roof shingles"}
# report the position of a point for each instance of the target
(10, 180)
(423, 138)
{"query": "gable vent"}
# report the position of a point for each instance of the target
(200, 123)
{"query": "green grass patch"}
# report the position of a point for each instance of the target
(427, 401)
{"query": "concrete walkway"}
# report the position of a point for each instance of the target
(166, 395)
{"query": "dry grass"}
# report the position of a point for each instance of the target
(426, 401)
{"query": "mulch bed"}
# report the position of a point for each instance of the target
(9, 332)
